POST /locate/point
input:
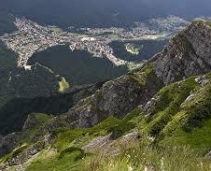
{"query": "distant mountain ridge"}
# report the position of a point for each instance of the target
(102, 13)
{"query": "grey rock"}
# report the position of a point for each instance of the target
(31, 123)
(190, 98)
(8, 143)
(26, 154)
(98, 143)
(131, 137)
(187, 54)
(208, 155)
(116, 98)
(150, 106)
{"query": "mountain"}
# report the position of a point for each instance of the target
(155, 117)
(57, 74)
(100, 13)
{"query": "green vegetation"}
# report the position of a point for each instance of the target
(198, 138)
(63, 85)
(13, 154)
(181, 115)
(174, 146)
(146, 78)
(148, 158)
(66, 152)
(78, 67)
(42, 118)
(169, 100)
(49, 161)
(116, 127)
(19, 83)
(71, 150)
(35, 124)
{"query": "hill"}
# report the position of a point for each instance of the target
(155, 118)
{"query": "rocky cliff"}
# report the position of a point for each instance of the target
(187, 54)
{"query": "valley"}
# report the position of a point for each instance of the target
(105, 85)
(156, 117)
(32, 37)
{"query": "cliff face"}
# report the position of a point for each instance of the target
(115, 98)
(187, 54)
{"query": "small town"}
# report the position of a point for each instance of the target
(32, 37)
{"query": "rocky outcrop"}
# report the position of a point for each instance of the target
(106, 146)
(32, 122)
(26, 154)
(8, 143)
(115, 98)
(187, 54)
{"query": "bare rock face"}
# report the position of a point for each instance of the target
(116, 98)
(8, 143)
(26, 154)
(119, 97)
(31, 122)
(187, 54)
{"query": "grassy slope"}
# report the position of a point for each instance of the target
(177, 122)
(172, 122)
(68, 144)
(181, 129)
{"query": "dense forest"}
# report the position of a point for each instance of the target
(78, 67)
(17, 84)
